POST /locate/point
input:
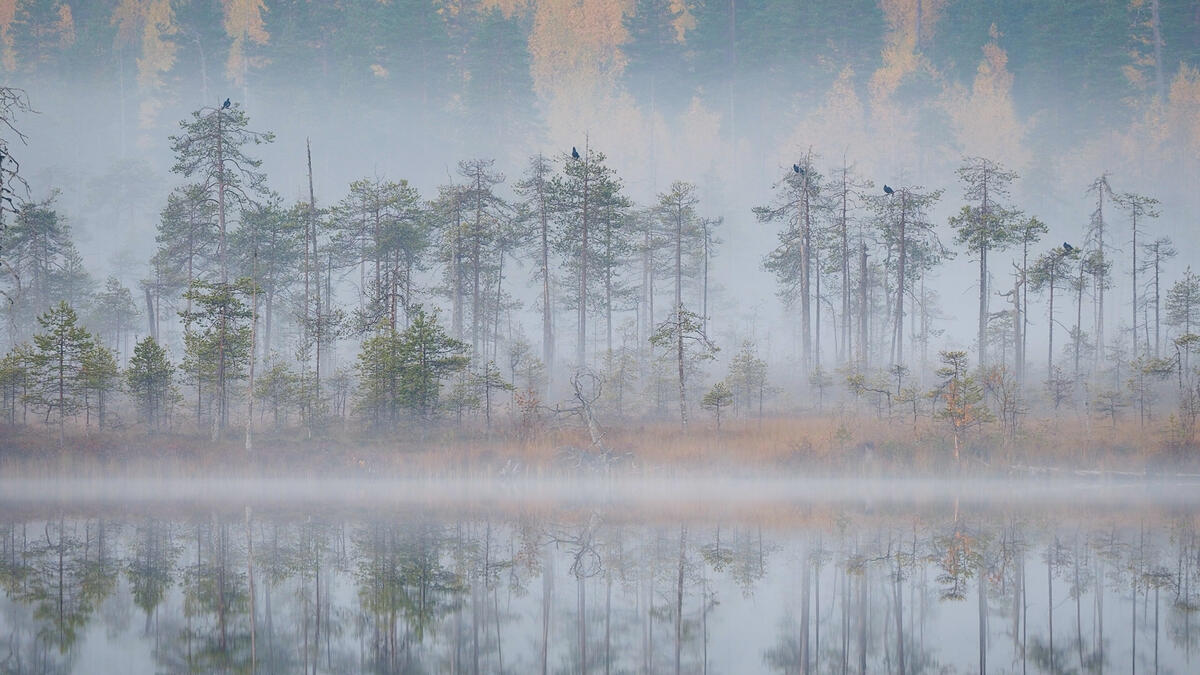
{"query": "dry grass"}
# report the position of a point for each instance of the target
(832, 443)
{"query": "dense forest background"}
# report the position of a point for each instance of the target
(690, 117)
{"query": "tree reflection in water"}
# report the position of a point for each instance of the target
(789, 592)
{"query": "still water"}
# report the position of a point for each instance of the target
(397, 578)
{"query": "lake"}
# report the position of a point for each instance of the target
(689, 575)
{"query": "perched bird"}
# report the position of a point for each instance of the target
(574, 153)
(796, 168)
(225, 105)
(887, 189)
(1067, 247)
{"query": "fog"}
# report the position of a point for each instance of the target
(898, 95)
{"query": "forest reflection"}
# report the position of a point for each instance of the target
(231, 590)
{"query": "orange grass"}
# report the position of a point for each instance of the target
(851, 443)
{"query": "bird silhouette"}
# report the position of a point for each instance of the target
(225, 105)
(574, 153)
(887, 189)
(796, 168)
(1067, 247)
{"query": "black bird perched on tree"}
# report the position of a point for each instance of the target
(574, 153)
(1067, 247)
(225, 105)
(887, 189)
(796, 168)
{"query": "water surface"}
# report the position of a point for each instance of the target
(635, 577)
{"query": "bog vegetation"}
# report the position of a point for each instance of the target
(537, 308)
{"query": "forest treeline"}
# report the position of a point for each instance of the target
(403, 312)
(929, 80)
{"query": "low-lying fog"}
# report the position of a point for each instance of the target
(664, 576)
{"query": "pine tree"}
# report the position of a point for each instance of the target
(799, 205)
(984, 225)
(906, 230)
(1183, 304)
(268, 246)
(115, 312)
(1047, 274)
(217, 344)
(535, 188)
(401, 371)
(717, 398)
(17, 377)
(1098, 264)
(45, 267)
(61, 349)
(382, 228)
(1157, 252)
(683, 333)
(1028, 232)
(99, 377)
(150, 380)
(482, 231)
(209, 150)
(747, 379)
(1139, 207)
(579, 194)
(962, 398)
(187, 240)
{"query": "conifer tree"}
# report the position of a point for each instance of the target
(984, 225)
(60, 351)
(149, 378)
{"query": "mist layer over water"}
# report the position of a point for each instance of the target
(594, 576)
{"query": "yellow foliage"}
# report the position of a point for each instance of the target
(8, 57)
(985, 120)
(66, 26)
(841, 116)
(577, 42)
(575, 55)
(1183, 112)
(683, 21)
(243, 22)
(902, 17)
(158, 52)
(127, 17)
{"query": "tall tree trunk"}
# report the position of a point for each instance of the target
(581, 343)
(898, 341)
(547, 323)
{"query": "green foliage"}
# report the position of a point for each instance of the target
(17, 381)
(717, 398)
(99, 376)
(584, 194)
(279, 390)
(216, 340)
(149, 378)
(187, 238)
(114, 312)
(208, 150)
(61, 350)
(961, 397)
(42, 264)
(403, 371)
(747, 378)
(383, 227)
(1183, 303)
